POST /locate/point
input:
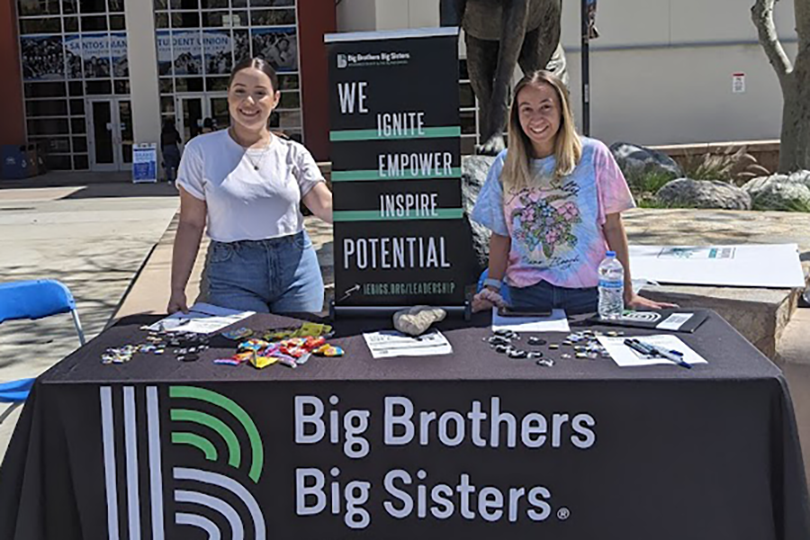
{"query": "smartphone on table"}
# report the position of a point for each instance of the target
(508, 311)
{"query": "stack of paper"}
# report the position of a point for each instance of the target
(624, 356)
(390, 343)
(201, 318)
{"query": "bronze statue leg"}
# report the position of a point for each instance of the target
(543, 51)
(498, 81)
(482, 61)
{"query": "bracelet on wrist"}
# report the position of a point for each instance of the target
(494, 283)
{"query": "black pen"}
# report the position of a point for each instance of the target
(674, 356)
(637, 346)
(653, 350)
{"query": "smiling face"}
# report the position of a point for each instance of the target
(540, 114)
(251, 99)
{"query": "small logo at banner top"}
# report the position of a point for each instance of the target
(385, 58)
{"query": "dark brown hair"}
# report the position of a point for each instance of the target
(257, 63)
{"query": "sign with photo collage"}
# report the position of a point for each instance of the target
(396, 168)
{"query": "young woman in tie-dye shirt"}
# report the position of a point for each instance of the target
(553, 202)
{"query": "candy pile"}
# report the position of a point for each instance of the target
(289, 347)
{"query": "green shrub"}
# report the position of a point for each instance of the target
(648, 182)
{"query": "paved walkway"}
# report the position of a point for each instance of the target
(96, 236)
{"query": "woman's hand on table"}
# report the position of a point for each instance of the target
(487, 299)
(634, 301)
(177, 302)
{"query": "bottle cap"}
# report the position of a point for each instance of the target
(610, 254)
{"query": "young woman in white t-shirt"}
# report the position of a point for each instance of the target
(247, 184)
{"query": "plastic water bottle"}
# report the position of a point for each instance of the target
(611, 287)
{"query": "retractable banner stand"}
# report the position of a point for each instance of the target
(396, 169)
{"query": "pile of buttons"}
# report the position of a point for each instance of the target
(584, 345)
(186, 346)
(503, 341)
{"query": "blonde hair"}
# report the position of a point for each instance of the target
(517, 173)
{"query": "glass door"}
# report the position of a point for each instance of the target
(124, 134)
(101, 141)
(191, 116)
(197, 108)
(110, 129)
(218, 107)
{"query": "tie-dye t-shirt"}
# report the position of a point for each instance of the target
(556, 226)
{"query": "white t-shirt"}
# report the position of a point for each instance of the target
(245, 203)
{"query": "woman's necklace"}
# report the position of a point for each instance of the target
(256, 164)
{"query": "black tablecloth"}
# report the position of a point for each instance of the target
(160, 448)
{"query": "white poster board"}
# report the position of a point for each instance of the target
(144, 163)
(744, 265)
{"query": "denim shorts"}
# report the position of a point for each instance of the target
(277, 275)
(545, 296)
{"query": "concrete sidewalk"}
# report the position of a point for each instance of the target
(93, 236)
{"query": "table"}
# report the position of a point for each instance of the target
(404, 448)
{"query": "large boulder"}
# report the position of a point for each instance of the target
(636, 161)
(800, 177)
(688, 193)
(785, 196)
(474, 171)
(780, 192)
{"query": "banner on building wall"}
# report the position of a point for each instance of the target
(96, 55)
(400, 235)
(42, 58)
(217, 47)
(278, 46)
(118, 54)
(181, 52)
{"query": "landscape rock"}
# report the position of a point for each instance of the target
(474, 171)
(688, 193)
(635, 161)
(780, 192)
(414, 321)
(800, 177)
(785, 196)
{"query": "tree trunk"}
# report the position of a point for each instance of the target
(794, 151)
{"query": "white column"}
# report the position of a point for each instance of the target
(143, 74)
(357, 16)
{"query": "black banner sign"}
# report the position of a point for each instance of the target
(396, 168)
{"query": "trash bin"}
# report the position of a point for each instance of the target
(14, 161)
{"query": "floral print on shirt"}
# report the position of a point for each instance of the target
(556, 224)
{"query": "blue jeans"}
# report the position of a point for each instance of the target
(545, 296)
(278, 275)
(171, 160)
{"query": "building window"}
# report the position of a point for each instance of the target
(68, 51)
(199, 42)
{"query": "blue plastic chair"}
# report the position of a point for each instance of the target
(33, 300)
(504, 287)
